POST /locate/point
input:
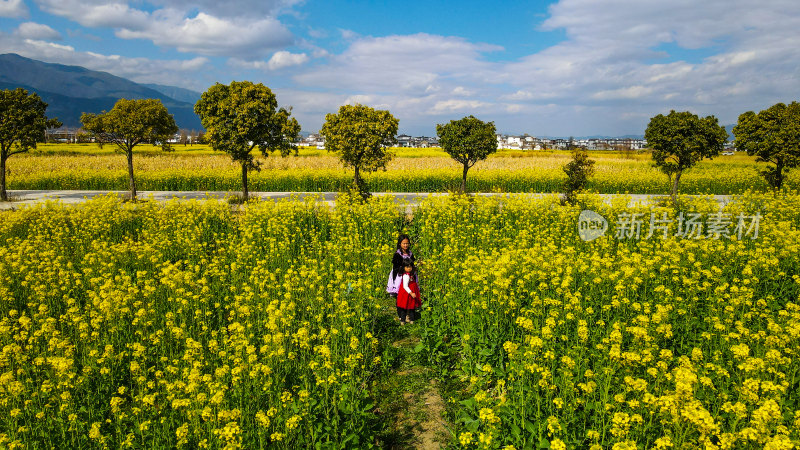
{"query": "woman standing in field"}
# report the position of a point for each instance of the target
(402, 253)
(403, 256)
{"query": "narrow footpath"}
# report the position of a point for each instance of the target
(408, 397)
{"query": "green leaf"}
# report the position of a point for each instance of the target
(469, 403)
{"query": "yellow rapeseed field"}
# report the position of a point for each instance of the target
(85, 166)
(183, 326)
(189, 325)
(684, 342)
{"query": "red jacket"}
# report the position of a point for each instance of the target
(404, 299)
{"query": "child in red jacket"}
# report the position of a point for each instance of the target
(408, 296)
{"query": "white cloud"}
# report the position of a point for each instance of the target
(461, 91)
(348, 35)
(244, 29)
(631, 23)
(32, 30)
(520, 95)
(420, 78)
(282, 59)
(245, 64)
(13, 8)
(208, 35)
(46, 48)
(95, 13)
(80, 34)
(632, 92)
(359, 99)
(317, 33)
(279, 60)
(448, 106)
(231, 8)
(411, 64)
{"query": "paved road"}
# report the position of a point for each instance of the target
(22, 198)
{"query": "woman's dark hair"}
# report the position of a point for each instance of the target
(400, 240)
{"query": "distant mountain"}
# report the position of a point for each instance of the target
(180, 94)
(72, 90)
(729, 129)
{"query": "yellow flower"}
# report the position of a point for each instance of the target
(277, 437)
(292, 422)
(663, 442)
(94, 431)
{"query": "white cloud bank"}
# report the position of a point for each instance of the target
(32, 30)
(243, 29)
(13, 8)
(285, 59)
(609, 75)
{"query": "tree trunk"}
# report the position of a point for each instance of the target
(778, 176)
(131, 180)
(245, 192)
(464, 179)
(357, 179)
(3, 193)
(675, 188)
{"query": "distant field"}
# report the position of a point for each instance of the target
(199, 168)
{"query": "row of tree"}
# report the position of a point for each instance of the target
(239, 118)
(681, 139)
(243, 116)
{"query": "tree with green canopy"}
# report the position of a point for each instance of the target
(467, 141)
(773, 136)
(130, 123)
(242, 116)
(681, 139)
(360, 135)
(22, 123)
(578, 171)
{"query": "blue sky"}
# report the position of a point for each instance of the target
(559, 68)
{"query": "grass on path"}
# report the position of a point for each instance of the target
(408, 397)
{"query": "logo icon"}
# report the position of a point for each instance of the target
(591, 225)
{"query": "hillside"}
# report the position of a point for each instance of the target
(180, 94)
(73, 90)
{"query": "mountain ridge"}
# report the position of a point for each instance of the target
(72, 90)
(177, 93)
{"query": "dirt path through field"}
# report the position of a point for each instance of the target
(22, 198)
(409, 398)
